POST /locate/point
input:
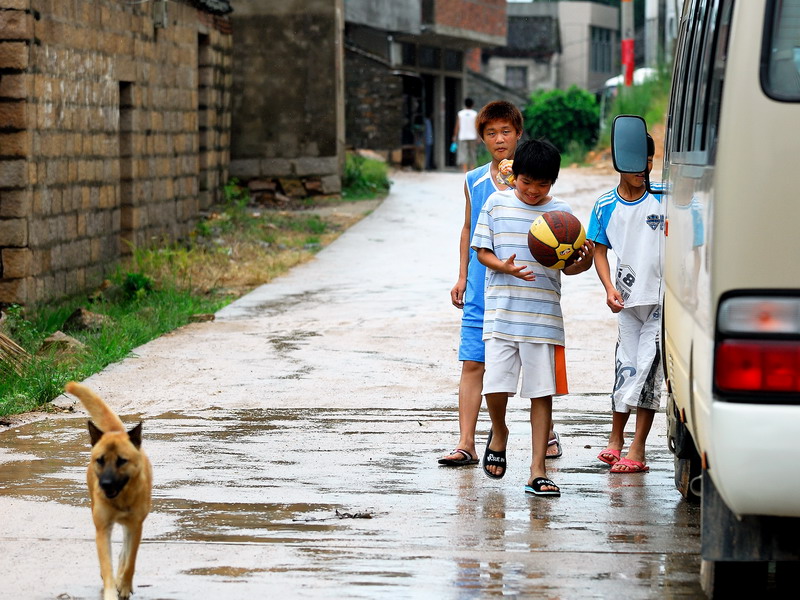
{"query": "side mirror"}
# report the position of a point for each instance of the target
(629, 144)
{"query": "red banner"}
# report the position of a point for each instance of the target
(627, 61)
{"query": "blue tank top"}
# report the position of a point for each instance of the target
(480, 186)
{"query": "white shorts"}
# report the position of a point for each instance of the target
(504, 362)
(638, 372)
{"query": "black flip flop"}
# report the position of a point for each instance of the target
(495, 458)
(535, 487)
(459, 462)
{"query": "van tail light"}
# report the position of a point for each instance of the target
(758, 347)
(753, 366)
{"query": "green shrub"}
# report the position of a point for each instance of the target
(563, 117)
(137, 285)
(364, 177)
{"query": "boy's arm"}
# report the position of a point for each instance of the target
(584, 260)
(613, 297)
(457, 293)
(490, 260)
(455, 130)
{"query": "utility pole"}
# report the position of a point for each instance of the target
(628, 35)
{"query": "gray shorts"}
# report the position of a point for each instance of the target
(467, 152)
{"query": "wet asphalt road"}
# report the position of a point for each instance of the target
(325, 397)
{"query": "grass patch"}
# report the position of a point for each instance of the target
(234, 249)
(135, 317)
(649, 100)
(364, 178)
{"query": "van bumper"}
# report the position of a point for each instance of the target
(754, 457)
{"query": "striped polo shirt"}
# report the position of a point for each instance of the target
(518, 310)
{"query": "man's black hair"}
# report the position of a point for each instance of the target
(468, 102)
(537, 159)
(651, 146)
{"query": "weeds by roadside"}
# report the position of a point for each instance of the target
(232, 250)
(364, 178)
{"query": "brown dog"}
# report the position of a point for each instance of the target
(120, 480)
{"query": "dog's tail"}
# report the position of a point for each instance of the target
(105, 419)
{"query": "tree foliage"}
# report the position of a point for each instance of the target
(564, 118)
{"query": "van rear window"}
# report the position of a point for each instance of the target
(780, 67)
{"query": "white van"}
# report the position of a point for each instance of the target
(731, 318)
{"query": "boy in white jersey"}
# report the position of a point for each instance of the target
(523, 327)
(630, 221)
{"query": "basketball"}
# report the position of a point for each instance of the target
(554, 239)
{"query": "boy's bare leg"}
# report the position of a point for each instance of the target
(616, 439)
(541, 426)
(644, 421)
(496, 403)
(469, 406)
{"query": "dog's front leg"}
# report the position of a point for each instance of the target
(130, 546)
(103, 541)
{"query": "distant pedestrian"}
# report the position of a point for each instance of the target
(465, 135)
(523, 326)
(428, 143)
(629, 220)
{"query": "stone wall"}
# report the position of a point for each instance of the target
(112, 132)
(288, 96)
(374, 104)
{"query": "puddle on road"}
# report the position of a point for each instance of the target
(274, 479)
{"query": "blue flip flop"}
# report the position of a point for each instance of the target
(495, 458)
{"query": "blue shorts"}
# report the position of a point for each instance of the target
(471, 347)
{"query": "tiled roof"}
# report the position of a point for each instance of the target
(216, 7)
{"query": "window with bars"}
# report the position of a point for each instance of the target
(601, 50)
(517, 77)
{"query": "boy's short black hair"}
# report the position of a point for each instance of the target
(537, 159)
(651, 146)
(468, 102)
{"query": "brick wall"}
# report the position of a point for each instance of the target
(112, 132)
(483, 16)
(373, 104)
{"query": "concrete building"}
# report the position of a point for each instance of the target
(556, 45)
(312, 77)
(288, 95)
(406, 61)
(114, 130)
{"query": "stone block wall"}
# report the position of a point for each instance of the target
(113, 132)
(374, 104)
(288, 95)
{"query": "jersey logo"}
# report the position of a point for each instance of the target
(654, 221)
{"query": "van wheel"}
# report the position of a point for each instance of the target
(732, 579)
(688, 465)
(687, 470)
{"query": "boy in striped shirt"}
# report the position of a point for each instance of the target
(523, 327)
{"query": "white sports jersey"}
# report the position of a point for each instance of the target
(634, 230)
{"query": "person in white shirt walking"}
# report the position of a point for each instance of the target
(465, 135)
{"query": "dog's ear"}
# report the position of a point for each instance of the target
(135, 435)
(94, 433)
